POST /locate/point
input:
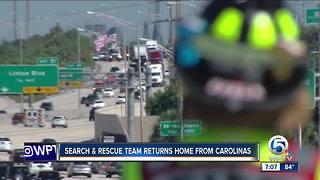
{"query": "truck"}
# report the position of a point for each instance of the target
(34, 117)
(155, 56)
(143, 56)
(151, 45)
(142, 51)
(157, 75)
(115, 54)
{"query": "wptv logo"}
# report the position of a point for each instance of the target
(40, 152)
(278, 145)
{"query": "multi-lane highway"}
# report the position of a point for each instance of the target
(65, 103)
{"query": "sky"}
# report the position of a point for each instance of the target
(74, 13)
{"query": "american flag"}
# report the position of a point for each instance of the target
(102, 40)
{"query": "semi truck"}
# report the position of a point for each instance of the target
(157, 75)
(34, 117)
(155, 56)
(152, 45)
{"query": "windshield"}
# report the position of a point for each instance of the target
(4, 139)
(156, 74)
(49, 175)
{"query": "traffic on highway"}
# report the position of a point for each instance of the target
(50, 101)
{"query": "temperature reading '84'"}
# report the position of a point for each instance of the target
(289, 166)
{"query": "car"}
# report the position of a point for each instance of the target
(83, 100)
(108, 92)
(35, 167)
(115, 69)
(49, 141)
(3, 111)
(94, 167)
(98, 90)
(98, 104)
(79, 169)
(48, 175)
(121, 99)
(4, 170)
(17, 156)
(59, 121)
(91, 99)
(48, 106)
(113, 168)
(103, 56)
(5, 145)
(143, 86)
(137, 94)
(99, 83)
(19, 171)
(167, 73)
(60, 165)
(17, 118)
(91, 115)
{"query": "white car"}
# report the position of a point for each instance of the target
(121, 100)
(143, 86)
(98, 104)
(5, 144)
(108, 92)
(35, 167)
(79, 169)
(59, 121)
(166, 73)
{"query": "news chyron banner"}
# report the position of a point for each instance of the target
(142, 152)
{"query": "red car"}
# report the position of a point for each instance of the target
(17, 118)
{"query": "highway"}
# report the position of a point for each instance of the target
(64, 103)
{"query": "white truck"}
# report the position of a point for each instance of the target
(34, 117)
(115, 54)
(157, 75)
(152, 45)
(142, 51)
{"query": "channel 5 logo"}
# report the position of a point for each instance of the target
(40, 152)
(279, 145)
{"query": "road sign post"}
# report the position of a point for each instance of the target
(14, 78)
(310, 83)
(172, 128)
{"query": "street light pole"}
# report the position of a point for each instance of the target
(140, 89)
(79, 61)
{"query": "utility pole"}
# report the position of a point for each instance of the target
(14, 12)
(148, 83)
(131, 114)
(180, 83)
(28, 19)
(170, 29)
(79, 61)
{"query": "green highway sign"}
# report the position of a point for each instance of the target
(15, 77)
(71, 74)
(74, 65)
(172, 128)
(312, 15)
(47, 60)
(310, 82)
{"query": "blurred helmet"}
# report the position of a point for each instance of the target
(241, 55)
